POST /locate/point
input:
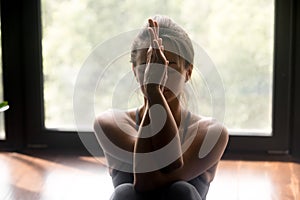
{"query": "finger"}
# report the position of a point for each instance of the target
(158, 47)
(160, 53)
(159, 41)
(152, 36)
(156, 44)
(156, 29)
(156, 52)
(151, 23)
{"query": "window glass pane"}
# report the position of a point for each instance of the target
(237, 35)
(2, 128)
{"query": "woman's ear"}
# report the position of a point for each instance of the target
(134, 72)
(189, 70)
(133, 69)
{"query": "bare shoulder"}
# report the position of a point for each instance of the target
(112, 118)
(210, 127)
(212, 136)
(117, 127)
(204, 148)
(103, 118)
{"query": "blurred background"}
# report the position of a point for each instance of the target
(250, 47)
(238, 36)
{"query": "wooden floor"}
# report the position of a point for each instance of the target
(53, 176)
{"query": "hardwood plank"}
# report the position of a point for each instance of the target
(256, 180)
(56, 176)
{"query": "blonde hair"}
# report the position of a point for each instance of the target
(168, 30)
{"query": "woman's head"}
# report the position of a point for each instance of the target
(178, 50)
(169, 31)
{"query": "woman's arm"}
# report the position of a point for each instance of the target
(168, 133)
(158, 126)
(195, 163)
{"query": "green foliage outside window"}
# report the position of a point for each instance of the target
(237, 35)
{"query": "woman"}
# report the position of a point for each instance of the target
(173, 156)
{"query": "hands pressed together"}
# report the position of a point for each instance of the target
(155, 76)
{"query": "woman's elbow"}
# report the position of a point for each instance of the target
(138, 187)
(145, 182)
(141, 185)
(177, 164)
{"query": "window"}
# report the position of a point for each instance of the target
(255, 64)
(237, 35)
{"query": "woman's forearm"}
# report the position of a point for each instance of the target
(162, 117)
(148, 143)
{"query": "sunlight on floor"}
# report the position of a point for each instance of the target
(4, 179)
(245, 187)
(64, 185)
(66, 177)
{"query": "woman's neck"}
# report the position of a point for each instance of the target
(176, 110)
(174, 106)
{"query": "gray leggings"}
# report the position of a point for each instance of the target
(179, 190)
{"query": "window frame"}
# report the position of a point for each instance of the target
(282, 71)
(295, 110)
(29, 95)
(12, 75)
